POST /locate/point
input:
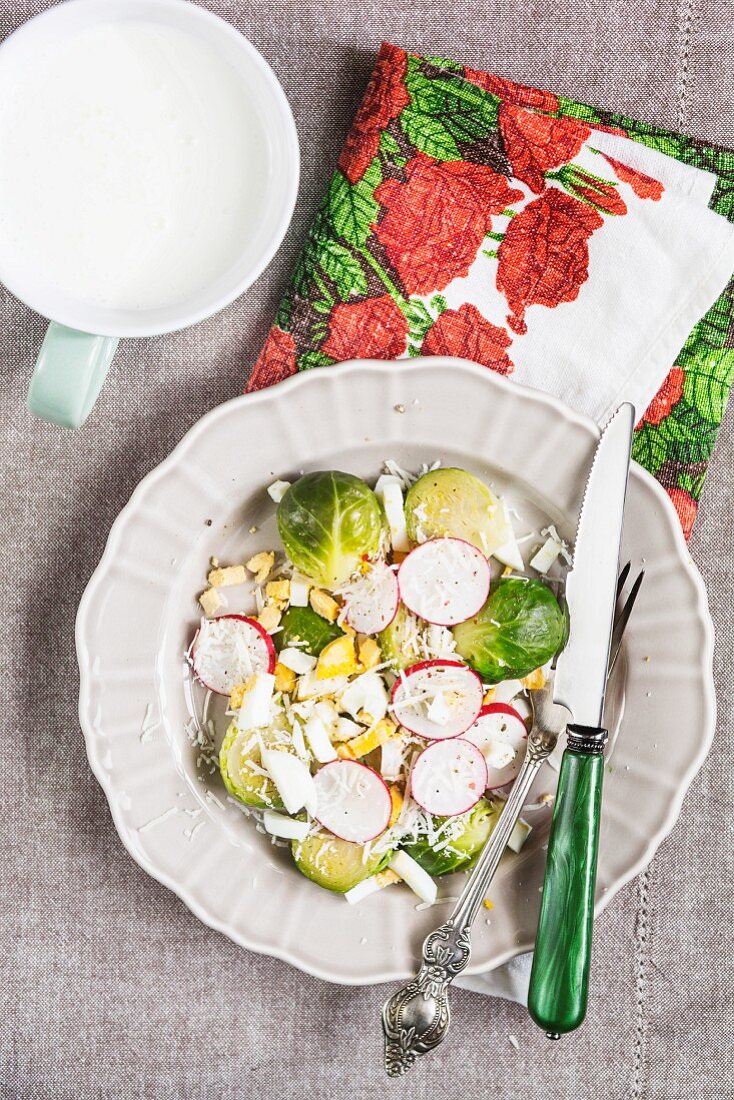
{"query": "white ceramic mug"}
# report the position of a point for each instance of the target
(83, 333)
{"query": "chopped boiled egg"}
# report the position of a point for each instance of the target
(254, 710)
(389, 491)
(285, 678)
(298, 742)
(396, 797)
(369, 653)
(519, 835)
(277, 490)
(498, 754)
(546, 556)
(278, 590)
(309, 687)
(292, 779)
(299, 590)
(366, 692)
(237, 694)
(319, 740)
(327, 712)
(269, 618)
(509, 553)
(345, 729)
(324, 604)
(261, 564)
(553, 548)
(392, 755)
(371, 739)
(337, 659)
(210, 601)
(286, 827)
(227, 576)
(413, 875)
(296, 660)
(371, 886)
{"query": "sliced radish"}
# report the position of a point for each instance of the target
(449, 777)
(437, 699)
(353, 801)
(229, 649)
(445, 581)
(372, 599)
(501, 735)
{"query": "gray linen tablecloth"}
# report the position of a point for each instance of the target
(109, 986)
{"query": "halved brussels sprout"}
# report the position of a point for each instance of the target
(304, 629)
(520, 627)
(463, 850)
(328, 521)
(242, 781)
(397, 641)
(335, 864)
(454, 502)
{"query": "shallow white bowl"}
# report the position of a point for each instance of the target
(280, 164)
(138, 614)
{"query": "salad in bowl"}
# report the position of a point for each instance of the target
(376, 690)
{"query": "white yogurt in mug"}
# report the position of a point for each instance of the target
(133, 165)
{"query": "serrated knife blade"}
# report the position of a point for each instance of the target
(591, 586)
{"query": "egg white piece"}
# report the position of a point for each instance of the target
(292, 779)
(413, 875)
(255, 710)
(285, 827)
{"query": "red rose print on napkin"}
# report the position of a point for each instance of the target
(685, 506)
(384, 99)
(544, 257)
(434, 223)
(508, 90)
(645, 187)
(372, 329)
(466, 333)
(535, 143)
(665, 399)
(276, 362)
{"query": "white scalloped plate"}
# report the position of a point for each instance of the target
(138, 613)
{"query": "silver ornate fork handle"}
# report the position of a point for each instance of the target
(417, 1017)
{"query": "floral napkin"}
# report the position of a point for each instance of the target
(577, 250)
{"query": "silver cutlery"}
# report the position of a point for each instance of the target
(417, 1017)
(559, 978)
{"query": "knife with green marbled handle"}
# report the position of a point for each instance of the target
(560, 975)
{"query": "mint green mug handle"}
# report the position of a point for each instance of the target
(70, 370)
